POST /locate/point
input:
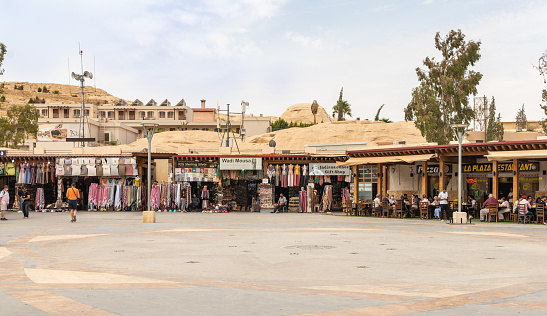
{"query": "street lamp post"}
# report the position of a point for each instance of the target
(149, 130)
(459, 130)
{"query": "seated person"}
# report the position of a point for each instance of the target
(194, 202)
(376, 203)
(404, 203)
(484, 211)
(503, 208)
(471, 203)
(524, 201)
(281, 202)
(437, 211)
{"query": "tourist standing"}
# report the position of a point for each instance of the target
(73, 195)
(443, 202)
(25, 199)
(4, 201)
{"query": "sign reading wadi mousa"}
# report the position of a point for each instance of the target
(240, 163)
(328, 169)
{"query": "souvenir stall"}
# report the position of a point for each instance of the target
(105, 183)
(241, 177)
(38, 176)
(193, 177)
(8, 177)
(289, 179)
(330, 183)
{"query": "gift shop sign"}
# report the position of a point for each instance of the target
(240, 163)
(328, 169)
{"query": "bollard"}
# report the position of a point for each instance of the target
(148, 217)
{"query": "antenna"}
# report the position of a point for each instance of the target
(228, 129)
(84, 120)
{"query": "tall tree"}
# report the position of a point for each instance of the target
(3, 51)
(342, 107)
(520, 120)
(20, 123)
(377, 117)
(441, 99)
(494, 128)
(542, 68)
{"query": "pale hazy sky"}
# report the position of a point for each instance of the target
(274, 53)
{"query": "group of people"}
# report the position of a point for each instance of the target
(504, 206)
(72, 194)
(439, 204)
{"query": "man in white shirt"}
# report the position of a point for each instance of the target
(282, 202)
(443, 201)
(377, 204)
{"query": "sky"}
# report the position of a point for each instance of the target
(274, 53)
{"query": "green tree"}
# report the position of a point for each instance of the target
(494, 128)
(441, 99)
(521, 120)
(3, 51)
(279, 124)
(377, 117)
(342, 108)
(20, 123)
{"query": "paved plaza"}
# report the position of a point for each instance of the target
(268, 264)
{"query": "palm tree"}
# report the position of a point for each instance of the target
(341, 108)
(314, 109)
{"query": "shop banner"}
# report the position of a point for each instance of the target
(57, 133)
(502, 167)
(194, 164)
(434, 169)
(240, 163)
(328, 169)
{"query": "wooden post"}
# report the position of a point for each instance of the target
(441, 175)
(516, 193)
(386, 179)
(495, 179)
(380, 188)
(385, 176)
(355, 170)
(424, 178)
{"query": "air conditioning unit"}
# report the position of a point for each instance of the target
(399, 142)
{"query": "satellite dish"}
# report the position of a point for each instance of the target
(272, 143)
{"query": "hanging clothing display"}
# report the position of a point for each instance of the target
(40, 201)
(326, 200)
(303, 201)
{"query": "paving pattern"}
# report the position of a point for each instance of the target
(268, 264)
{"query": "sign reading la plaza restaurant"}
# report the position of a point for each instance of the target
(240, 163)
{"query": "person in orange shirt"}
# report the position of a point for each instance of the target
(73, 195)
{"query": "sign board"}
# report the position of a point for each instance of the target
(240, 163)
(502, 167)
(434, 169)
(194, 164)
(58, 133)
(328, 169)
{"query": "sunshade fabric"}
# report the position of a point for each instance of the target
(387, 159)
(516, 154)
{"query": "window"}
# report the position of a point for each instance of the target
(44, 112)
(170, 115)
(107, 137)
(367, 180)
(76, 113)
(162, 114)
(102, 114)
(150, 114)
(86, 112)
(111, 115)
(142, 114)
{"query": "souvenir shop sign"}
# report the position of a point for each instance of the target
(240, 163)
(328, 169)
(58, 133)
(502, 167)
(194, 164)
(434, 169)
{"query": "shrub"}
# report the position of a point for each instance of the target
(39, 89)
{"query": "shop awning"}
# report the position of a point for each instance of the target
(387, 159)
(516, 154)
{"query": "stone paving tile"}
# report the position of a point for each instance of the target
(9, 305)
